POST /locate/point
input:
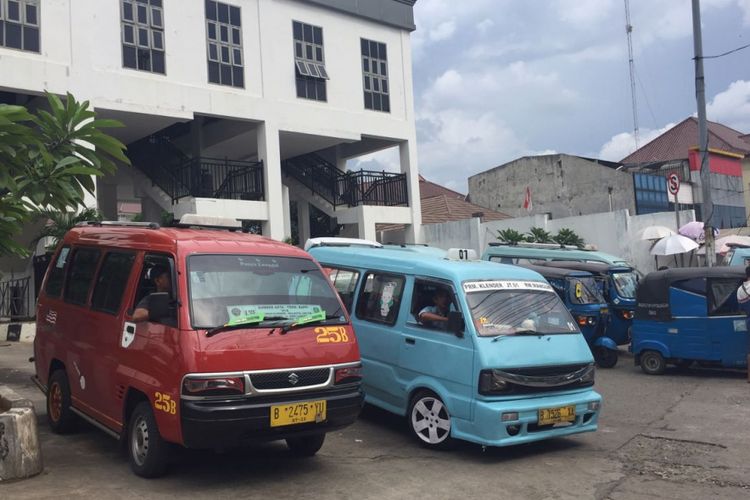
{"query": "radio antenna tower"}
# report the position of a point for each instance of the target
(629, 32)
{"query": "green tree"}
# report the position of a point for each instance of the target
(510, 236)
(567, 236)
(60, 223)
(538, 235)
(47, 160)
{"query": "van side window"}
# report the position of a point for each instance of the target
(722, 297)
(57, 273)
(152, 264)
(694, 285)
(345, 282)
(82, 269)
(111, 282)
(432, 298)
(380, 298)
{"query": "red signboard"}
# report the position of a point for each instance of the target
(718, 163)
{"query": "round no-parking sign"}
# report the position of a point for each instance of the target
(673, 184)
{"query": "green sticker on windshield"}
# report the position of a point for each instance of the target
(246, 318)
(318, 316)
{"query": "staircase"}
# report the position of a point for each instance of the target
(351, 189)
(179, 175)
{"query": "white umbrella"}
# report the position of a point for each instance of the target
(655, 233)
(674, 244)
(722, 245)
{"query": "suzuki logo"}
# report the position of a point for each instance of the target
(293, 379)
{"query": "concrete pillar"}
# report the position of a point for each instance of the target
(303, 221)
(151, 210)
(407, 152)
(287, 212)
(366, 224)
(106, 199)
(196, 137)
(269, 152)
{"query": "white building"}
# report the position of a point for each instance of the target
(233, 107)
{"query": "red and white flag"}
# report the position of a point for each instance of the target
(527, 203)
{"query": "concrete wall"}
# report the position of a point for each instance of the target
(616, 233)
(561, 185)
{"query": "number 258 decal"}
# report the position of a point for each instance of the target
(165, 403)
(331, 335)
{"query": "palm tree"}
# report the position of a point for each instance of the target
(567, 236)
(538, 235)
(510, 237)
(59, 223)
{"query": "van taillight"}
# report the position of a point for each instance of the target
(213, 386)
(348, 375)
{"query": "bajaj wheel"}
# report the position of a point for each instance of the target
(61, 418)
(147, 451)
(430, 421)
(652, 363)
(306, 446)
(605, 357)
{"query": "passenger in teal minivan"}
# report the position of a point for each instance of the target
(436, 315)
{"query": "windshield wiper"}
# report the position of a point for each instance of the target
(302, 324)
(243, 324)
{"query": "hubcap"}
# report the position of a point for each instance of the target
(652, 363)
(139, 441)
(430, 420)
(55, 402)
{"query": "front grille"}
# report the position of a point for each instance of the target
(539, 379)
(537, 371)
(290, 379)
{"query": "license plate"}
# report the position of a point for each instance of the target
(557, 415)
(298, 413)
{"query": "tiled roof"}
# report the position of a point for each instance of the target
(428, 189)
(442, 208)
(675, 143)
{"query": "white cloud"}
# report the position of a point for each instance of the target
(732, 106)
(744, 6)
(442, 31)
(485, 25)
(584, 12)
(621, 145)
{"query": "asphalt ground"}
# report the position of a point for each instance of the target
(681, 435)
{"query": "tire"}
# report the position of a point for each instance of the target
(306, 446)
(605, 358)
(61, 418)
(652, 363)
(147, 451)
(430, 422)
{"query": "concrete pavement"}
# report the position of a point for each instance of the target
(681, 435)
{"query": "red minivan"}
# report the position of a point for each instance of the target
(200, 337)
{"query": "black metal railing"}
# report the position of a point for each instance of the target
(214, 178)
(353, 188)
(16, 299)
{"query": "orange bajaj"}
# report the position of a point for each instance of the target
(203, 338)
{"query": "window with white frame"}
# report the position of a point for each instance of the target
(375, 75)
(19, 24)
(224, 45)
(143, 35)
(309, 61)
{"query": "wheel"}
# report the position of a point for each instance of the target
(61, 418)
(306, 446)
(430, 421)
(652, 363)
(147, 451)
(605, 358)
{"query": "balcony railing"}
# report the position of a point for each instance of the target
(353, 188)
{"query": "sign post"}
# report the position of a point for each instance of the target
(673, 185)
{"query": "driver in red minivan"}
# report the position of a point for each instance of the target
(163, 283)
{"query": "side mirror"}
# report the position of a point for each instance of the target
(456, 323)
(158, 306)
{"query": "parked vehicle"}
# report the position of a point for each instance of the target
(582, 296)
(737, 256)
(506, 364)
(241, 339)
(531, 253)
(618, 285)
(690, 314)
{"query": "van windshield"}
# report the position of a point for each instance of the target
(233, 289)
(512, 308)
(585, 291)
(626, 283)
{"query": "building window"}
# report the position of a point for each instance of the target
(375, 75)
(19, 24)
(309, 61)
(650, 193)
(143, 35)
(224, 32)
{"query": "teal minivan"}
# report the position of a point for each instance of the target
(464, 349)
(531, 253)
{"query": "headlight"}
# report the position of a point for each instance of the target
(588, 376)
(213, 386)
(586, 320)
(490, 383)
(348, 375)
(625, 314)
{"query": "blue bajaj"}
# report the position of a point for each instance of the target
(618, 285)
(689, 315)
(581, 294)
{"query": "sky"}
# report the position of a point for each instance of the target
(495, 80)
